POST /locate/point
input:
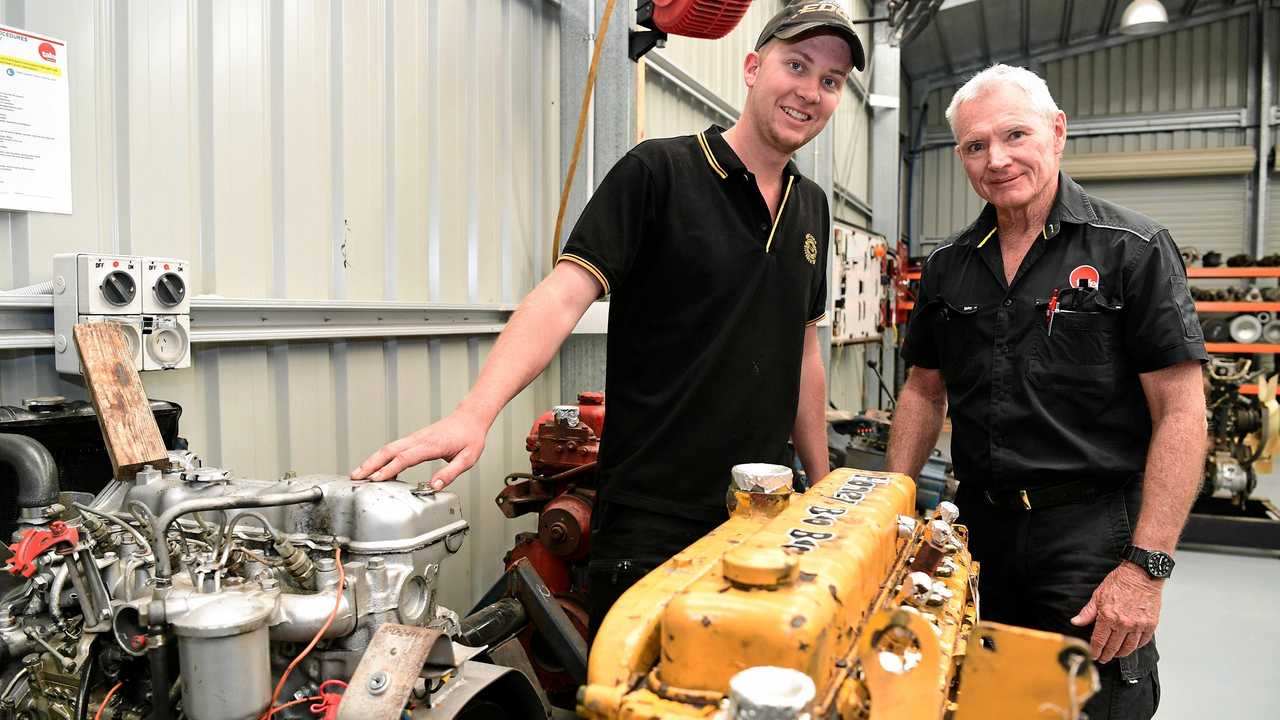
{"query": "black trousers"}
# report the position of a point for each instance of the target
(627, 543)
(1040, 567)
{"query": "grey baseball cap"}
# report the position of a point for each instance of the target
(799, 18)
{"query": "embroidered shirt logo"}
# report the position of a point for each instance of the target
(810, 249)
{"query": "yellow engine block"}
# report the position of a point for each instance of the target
(877, 608)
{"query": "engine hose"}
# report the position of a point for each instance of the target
(34, 467)
(164, 568)
(158, 659)
(489, 625)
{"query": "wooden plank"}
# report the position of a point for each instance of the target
(128, 427)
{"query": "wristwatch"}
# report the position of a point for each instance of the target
(1157, 564)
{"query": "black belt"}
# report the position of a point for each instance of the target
(1043, 497)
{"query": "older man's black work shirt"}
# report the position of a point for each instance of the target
(710, 298)
(1039, 398)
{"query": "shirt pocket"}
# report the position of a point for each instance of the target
(1079, 352)
(959, 334)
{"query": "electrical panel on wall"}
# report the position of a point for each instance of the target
(148, 297)
(858, 285)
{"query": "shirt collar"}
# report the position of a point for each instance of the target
(724, 162)
(1071, 205)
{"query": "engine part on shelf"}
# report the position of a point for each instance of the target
(1215, 329)
(1271, 332)
(1272, 260)
(1253, 294)
(1263, 317)
(1241, 260)
(95, 607)
(1244, 429)
(1190, 254)
(821, 584)
(1201, 294)
(1271, 294)
(1245, 329)
(1213, 258)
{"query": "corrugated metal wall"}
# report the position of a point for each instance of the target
(377, 150)
(1199, 68)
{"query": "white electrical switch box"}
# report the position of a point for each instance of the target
(149, 297)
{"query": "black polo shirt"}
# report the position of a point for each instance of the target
(710, 300)
(1033, 406)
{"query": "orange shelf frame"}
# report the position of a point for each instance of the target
(1234, 272)
(1242, 348)
(1230, 306)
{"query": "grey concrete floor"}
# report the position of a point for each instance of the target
(1219, 634)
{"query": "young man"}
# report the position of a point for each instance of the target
(1059, 331)
(713, 250)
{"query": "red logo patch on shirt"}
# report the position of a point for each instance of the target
(1084, 276)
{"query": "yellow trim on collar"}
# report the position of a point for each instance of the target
(988, 237)
(586, 265)
(769, 243)
(711, 158)
(815, 321)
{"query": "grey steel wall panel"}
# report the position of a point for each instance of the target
(1199, 68)
(388, 150)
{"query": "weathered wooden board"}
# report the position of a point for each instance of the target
(124, 414)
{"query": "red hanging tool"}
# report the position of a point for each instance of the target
(33, 544)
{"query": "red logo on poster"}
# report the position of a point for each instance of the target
(1084, 276)
(47, 52)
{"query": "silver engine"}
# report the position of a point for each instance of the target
(197, 590)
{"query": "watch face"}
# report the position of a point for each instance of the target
(1159, 565)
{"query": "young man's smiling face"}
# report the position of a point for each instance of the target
(794, 87)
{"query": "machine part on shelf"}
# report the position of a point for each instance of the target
(876, 640)
(1253, 294)
(1245, 329)
(1241, 260)
(1190, 254)
(1264, 318)
(1271, 294)
(1272, 260)
(1211, 259)
(1244, 431)
(1215, 330)
(1271, 332)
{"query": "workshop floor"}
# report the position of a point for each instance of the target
(1219, 634)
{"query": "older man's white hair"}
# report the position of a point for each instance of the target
(1032, 84)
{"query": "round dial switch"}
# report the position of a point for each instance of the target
(118, 288)
(170, 289)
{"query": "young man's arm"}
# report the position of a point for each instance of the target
(810, 432)
(523, 350)
(922, 404)
(1126, 606)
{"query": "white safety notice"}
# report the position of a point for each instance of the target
(35, 123)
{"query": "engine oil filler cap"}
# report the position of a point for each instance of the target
(762, 478)
(769, 693)
(760, 567)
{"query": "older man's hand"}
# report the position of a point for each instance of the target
(1124, 610)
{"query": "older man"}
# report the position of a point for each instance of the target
(1058, 330)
